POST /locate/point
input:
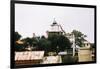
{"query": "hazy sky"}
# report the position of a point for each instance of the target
(37, 19)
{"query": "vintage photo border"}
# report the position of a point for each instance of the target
(12, 30)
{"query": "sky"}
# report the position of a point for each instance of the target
(37, 19)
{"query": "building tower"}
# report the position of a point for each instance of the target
(55, 29)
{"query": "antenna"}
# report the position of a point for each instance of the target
(54, 21)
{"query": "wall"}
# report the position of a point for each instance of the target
(84, 54)
(5, 34)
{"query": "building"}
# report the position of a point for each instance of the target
(55, 29)
(28, 57)
(52, 60)
(86, 44)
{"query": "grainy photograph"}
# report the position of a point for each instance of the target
(50, 34)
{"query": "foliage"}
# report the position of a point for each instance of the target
(59, 42)
(53, 43)
(30, 42)
(17, 36)
(44, 44)
(63, 43)
(79, 37)
(18, 47)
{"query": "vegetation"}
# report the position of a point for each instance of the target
(18, 47)
(17, 36)
(55, 43)
(79, 37)
(59, 43)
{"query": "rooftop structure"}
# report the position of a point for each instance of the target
(55, 29)
(28, 57)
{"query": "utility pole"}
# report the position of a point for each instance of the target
(73, 46)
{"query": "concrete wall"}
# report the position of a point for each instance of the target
(84, 54)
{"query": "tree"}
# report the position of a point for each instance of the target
(17, 36)
(63, 43)
(35, 41)
(28, 41)
(59, 43)
(54, 42)
(79, 37)
(44, 44)
(31, 42)
(17, 46)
